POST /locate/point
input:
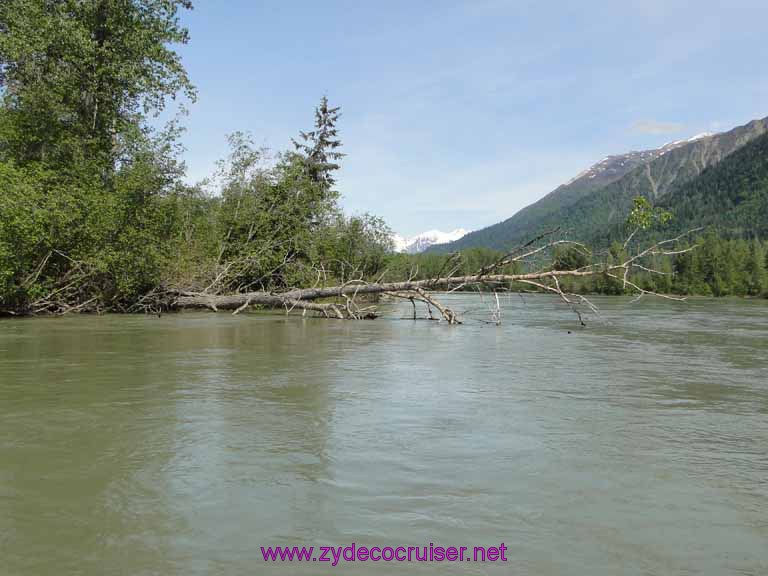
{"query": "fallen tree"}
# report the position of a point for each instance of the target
(351, 300)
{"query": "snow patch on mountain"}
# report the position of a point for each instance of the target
(677, 143)
(621, 163)
(421, 242)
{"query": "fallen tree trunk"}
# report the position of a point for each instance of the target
(344, 304)
(341, 301)
(271, 299)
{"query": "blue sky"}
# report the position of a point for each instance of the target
(458, 114)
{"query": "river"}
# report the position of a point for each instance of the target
(181, 445)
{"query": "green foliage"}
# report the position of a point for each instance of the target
(78, 77)
(643, 216)
(94, 212)
(354, 247)
(56, 224)
(85, 215)
(271, 216)
(756, 280)
(716, 267)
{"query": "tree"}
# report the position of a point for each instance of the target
(354, 247)
(717, 268)
(611, 284)
(755, 268)
(689, 273)
(86, 208)
(643, 215)
(318, 149)
(79, 77)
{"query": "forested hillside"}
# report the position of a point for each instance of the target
(599, 214)
(731, 196)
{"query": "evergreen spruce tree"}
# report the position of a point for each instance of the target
(319, 147)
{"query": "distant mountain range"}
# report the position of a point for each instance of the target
(593, 206)
(422, 241)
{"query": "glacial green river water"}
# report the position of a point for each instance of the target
(180, 445)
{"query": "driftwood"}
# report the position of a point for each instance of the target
(344, 298)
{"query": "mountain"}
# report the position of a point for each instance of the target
(422, 241)
(594, 205)
(601, 216)
(732, 195)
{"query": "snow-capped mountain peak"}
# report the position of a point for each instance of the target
(421, 242)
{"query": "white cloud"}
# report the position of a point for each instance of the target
(655, 127)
